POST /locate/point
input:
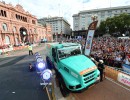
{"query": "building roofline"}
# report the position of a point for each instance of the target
(55, 18)
(101, 9)
(17, 8)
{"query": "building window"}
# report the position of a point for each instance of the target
(20, 17)
(5, 14)
(25, 19)
(5, 27)
(2, 13)
(16, 16)
(14, 29)
(83, 28)
(33, 22)
(7, 40)
(109, 13)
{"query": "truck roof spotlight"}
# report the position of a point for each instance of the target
(41, 65)
(39, 60)
(46, 75)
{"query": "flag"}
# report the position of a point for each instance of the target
(91, 31)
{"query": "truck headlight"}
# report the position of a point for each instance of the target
(98, 78)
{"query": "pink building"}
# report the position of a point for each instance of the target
(18, 26)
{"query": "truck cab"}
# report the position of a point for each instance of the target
(75, 71)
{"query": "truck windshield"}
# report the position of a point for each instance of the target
(67, 52)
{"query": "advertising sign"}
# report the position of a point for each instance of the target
(124, 79)
(90, 35)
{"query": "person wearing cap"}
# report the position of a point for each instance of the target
(101, 69)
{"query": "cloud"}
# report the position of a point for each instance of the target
(86, 1)
(127, 2)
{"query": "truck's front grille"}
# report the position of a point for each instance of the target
(88, 77)
(89, 80)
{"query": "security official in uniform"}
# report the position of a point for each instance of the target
(30, 49)
(101, 69)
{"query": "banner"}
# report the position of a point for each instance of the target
(124, 79)
(91, 30)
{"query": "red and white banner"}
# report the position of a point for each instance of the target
(124, 79)
(91, 31)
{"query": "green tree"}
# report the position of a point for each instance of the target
(117, 24)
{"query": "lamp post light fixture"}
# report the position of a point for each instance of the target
(116, 33)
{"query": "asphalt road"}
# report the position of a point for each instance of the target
(17, 83)
(106, 90)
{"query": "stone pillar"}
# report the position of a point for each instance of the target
(1, 38)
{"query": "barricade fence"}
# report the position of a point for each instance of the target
(118, 75)
(6, 50)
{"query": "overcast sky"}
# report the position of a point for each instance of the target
(64, 8)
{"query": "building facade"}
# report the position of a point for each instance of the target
(18, 26)
(59, 25)
(82, 20)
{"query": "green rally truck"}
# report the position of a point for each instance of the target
(74, 70)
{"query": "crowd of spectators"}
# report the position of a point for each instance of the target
(112, 51)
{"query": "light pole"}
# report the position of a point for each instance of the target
(107, 29)
(116, 31)
(126, 30)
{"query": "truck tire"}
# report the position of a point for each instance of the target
(65, 92)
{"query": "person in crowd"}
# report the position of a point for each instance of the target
(30, 49)
(113, 50)
(101, 69)
(127, 60)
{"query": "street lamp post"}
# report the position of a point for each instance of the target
(126, 27)
(116, 31)
(107, 29)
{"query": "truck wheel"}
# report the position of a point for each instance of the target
(63, 88)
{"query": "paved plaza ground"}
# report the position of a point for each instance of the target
(17, 83)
